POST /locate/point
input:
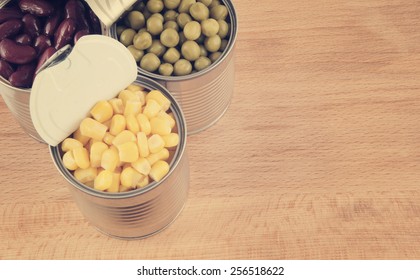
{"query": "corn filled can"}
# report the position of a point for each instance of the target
(188, 47)
(138, 212)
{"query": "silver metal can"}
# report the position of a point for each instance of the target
(204, 96)
(142, 212)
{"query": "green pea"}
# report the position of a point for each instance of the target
(154, 25)
(209, 27)
(144, 29)
(171, 4)
(170, 15)
(126, 37)
(166, 69)
(205, 2)
(172, 55)
(185, 5)
(201, 63)
(223, 45)
(120, 29)
(169, 38)
(137, 54)
(171, 24)
(223, 29)
(158, 15)
(150, 62)
(183, 19)
(199, 11)
(136, 20)
(182, 67)
(215, 56)
(203, 51)
(142, 40)
(155, 6)
(157, 48)
(192, 30)
(190, 50)
(219, 12)
(213, 43)
(214, 3)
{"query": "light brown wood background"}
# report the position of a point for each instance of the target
(318, 156)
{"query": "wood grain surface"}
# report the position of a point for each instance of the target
(318, 156)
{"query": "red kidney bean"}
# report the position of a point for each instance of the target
(52, 23)
(16, 53)
(9, 13)
(5, 69)
(74, 9)
(95, 24)
(36, 7)
(23, 76)
(10, 28)
(45, 56)
(80, 34)
(64, 33)
(31, 25)
(23, 39)
(42, 42)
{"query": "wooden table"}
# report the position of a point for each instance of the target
(318, 156)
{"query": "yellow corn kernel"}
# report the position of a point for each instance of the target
(70, 144)
(69, 162)
(134, 88)
(164, 102)
(159, 170)
(128, 152)
(130, 177)
(81, 138)
(152, 108)
(132, 123)
(142, 166)
(162, 155)
(117, 105)
(175, 127)
(120, 163)
(160, 126)
(171, 140)
(155, 143)
(142, 96)
(142, 144)
(115, 186)
(143, 183)
(107, 124)
(93, 129)
(96, 151)
(104, 180)
(124, 137)
(118, 124)
(102, 111)
(144, 123)
(132, 107)
(168, 117)
(108, 138)
(110, 159)
(85, 175)
(81, 157)
(125, 95)
(125, 189)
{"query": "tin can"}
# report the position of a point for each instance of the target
(204, 96)
(142, 212)
(17, 100)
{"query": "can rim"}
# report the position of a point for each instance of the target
(233, 35)
(182, 131)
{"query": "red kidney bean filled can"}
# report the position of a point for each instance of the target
(31, 32)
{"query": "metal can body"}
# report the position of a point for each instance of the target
(204, 96)
(142, 212)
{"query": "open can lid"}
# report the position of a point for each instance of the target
(108, 11)
(62, 95)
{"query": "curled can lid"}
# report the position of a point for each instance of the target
(97, 68)
(108, 11)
